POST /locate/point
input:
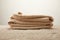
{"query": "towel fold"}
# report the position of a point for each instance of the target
(32, 18)
(41, 27)
(28, 23)
(41, 24)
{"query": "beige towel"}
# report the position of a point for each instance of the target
(28, 23)
(41, 27)
(19, 25)
(33, 20)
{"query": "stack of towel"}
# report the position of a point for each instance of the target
(18, 21)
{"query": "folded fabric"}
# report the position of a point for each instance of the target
(33, 18)
(28, 23)
(18, 21)
(31, 25)
(41, 27)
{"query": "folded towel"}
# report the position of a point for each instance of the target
(41, 24)
(42, 27)
(18, 21)
(28, 23)
(36, 18)
(43, 20)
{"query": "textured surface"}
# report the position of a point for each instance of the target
(42, 34)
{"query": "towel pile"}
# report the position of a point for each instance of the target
(18, 21)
